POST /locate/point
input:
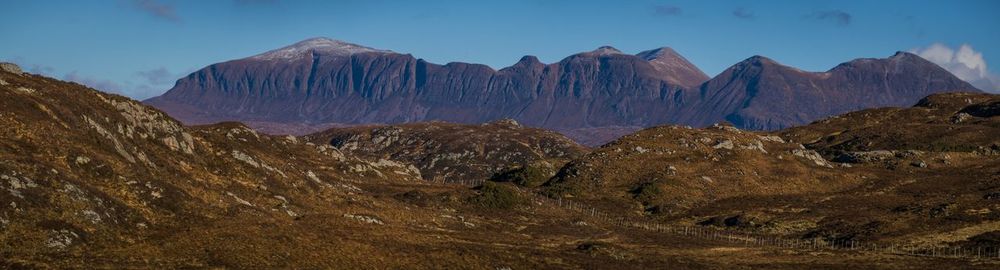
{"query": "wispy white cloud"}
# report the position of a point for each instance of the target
(965, 62)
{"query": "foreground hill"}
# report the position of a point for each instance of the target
(444, 152)
(668, 170)
(924, 177)
(594, 96)
(954, 122)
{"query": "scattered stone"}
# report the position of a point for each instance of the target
(331, 151)
(992, 150)
(238, 199)
(61, 239)
(726, 127)
(171, 143)
(960, 117)
(755, 146)
(312, 176)
(726, 144)
(186, 144)
(640, 150)
(119, 147)
(91, 216)
(349, 187)
(771, 138)
(508, 122)
(26, 90)
(812, 156)
(245, 158)
(19, 183)
(82, 160)
(365, 219)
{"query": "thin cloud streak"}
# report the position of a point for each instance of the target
(839, 17)
(157, 9)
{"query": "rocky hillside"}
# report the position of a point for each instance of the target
(93, 180)
(668, 170)
(925, 176)
(946, 122)
(594, 96)
(444, 152)
(85, 172)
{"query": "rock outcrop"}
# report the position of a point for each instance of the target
(10, 67)
(444, 152)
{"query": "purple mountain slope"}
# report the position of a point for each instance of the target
(592, 96)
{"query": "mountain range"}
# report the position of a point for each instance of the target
(95, 180)
(592, 96)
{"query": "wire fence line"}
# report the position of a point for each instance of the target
(755, 239)
(769, 240)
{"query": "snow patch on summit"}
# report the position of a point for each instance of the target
(323, 46)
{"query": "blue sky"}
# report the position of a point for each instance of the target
(140, 47)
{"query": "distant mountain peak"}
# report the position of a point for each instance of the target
(900, 57)
(605, 50)
(675, 67)
(902, 54)
(658, 53)
(529, 59)
(762, 61)
(759, 59)
(319, 45)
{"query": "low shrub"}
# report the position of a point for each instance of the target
(497, 196)
(525, 176)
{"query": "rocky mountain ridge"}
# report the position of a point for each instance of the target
(588, 95)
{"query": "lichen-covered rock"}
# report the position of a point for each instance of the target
(813, 156)
(725, 144)
(365, 218)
